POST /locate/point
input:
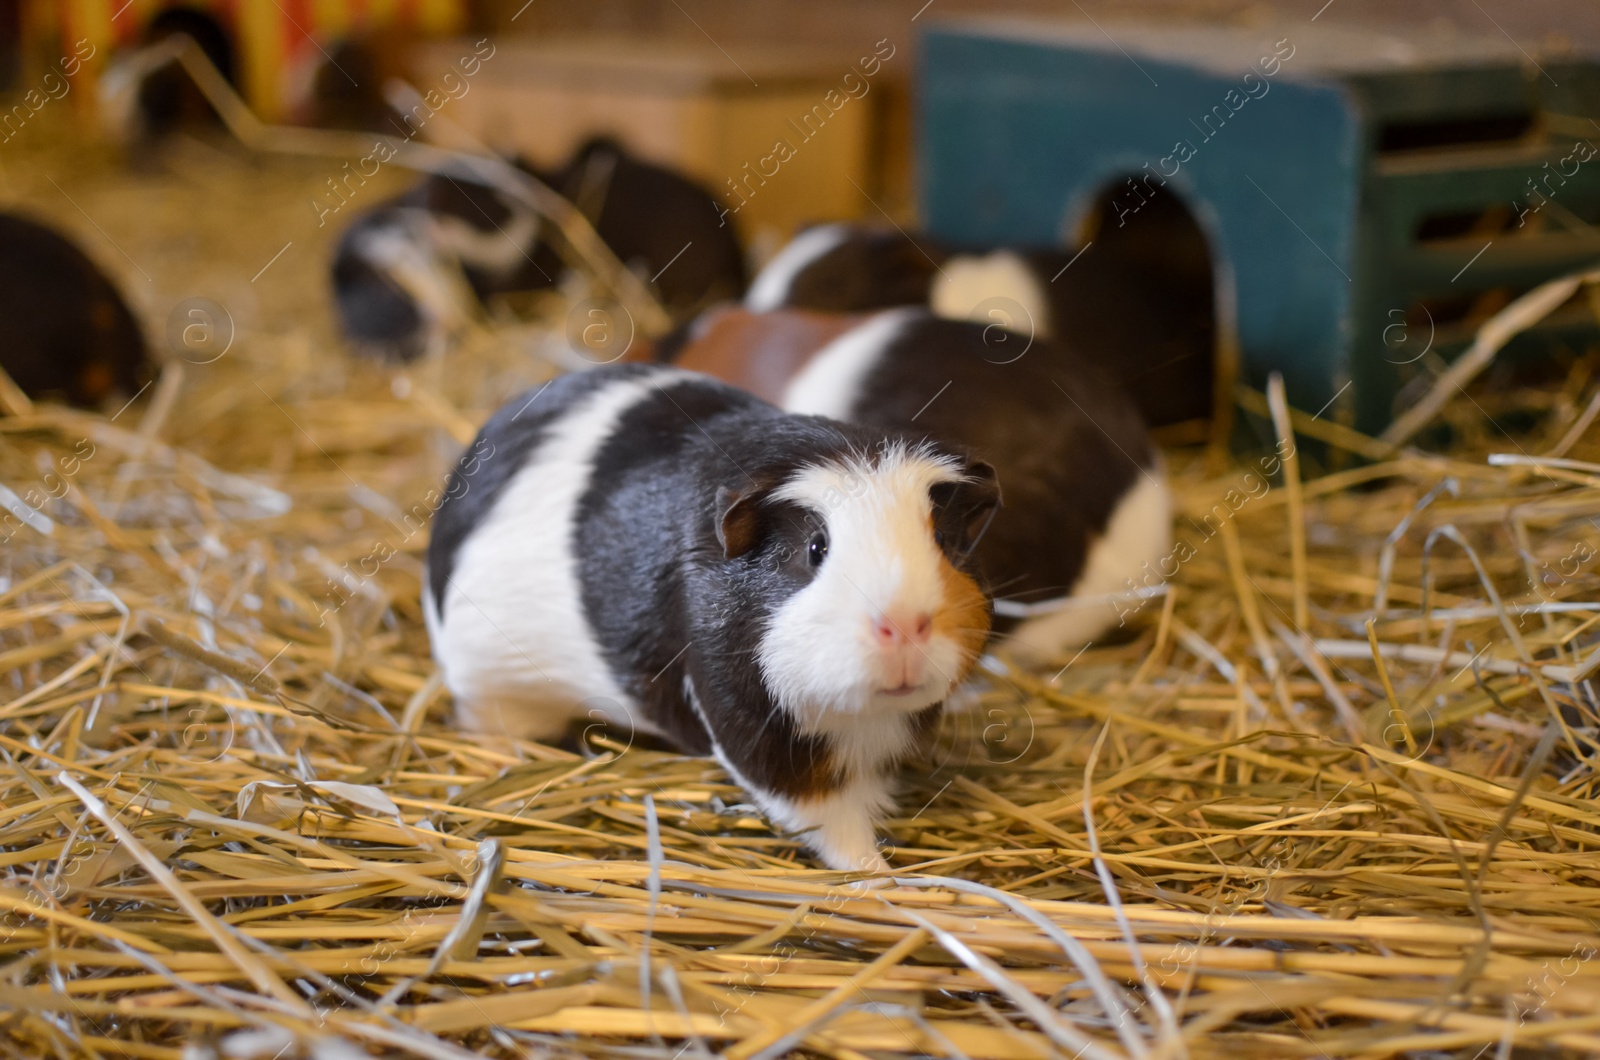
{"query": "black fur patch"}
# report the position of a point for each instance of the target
(68, 333)
(168, 98)
(498, 453)
(871, 269)
(481, 206)
(374, 311)
(660, 220)
(493, 214)
(1148, 325)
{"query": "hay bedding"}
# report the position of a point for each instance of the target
(234, 819)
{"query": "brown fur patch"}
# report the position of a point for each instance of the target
(761, 352)
(96, 380)
(806, 770)
(965, 616)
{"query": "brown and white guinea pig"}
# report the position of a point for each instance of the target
(65, 332)
(1087, 504)
(395, 277)
(1138, 299)
(790, 594)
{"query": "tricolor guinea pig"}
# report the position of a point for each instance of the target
(793, 595)
(1137, 298)
(1087, 505)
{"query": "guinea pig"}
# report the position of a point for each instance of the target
(147, 95)
(655, 221)
(792, 595)
(847, 268)
(1138, 298)
(409, 274)
(1087, 505)
(65, 332)
(346, 91)
(658, 222)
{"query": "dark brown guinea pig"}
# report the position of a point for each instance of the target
(1087, 507)
(65, 332)
(167, 97)
(790, 594)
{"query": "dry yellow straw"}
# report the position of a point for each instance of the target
(322, 836)
(1291, 483)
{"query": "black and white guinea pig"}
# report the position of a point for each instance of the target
(792, 595)
(65, 331)
(409, 274)
(1087, 505)
(1139, 298)
(401, 304)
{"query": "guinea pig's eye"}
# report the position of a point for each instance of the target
(939, 538)
(817, 549)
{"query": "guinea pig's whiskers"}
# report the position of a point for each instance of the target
(981, 532)
(999, 587)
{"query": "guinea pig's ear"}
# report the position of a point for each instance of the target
(738, 520)
(963, 510)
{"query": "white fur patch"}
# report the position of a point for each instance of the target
(841, 827)
(820, 657)
(772, 286)
(513, 642)
(967, 281)
(830, 384)
(1138, 532)
(404, 252)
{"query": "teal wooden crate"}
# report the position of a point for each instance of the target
(1364, 197)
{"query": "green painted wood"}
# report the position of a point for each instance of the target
(1277, 143)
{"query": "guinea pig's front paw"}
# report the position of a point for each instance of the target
(840, 827)
(847, 841)
(871, 861)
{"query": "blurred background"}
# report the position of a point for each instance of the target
(1326, 235)
(671, 51)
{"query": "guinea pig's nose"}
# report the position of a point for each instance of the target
(903, 628)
